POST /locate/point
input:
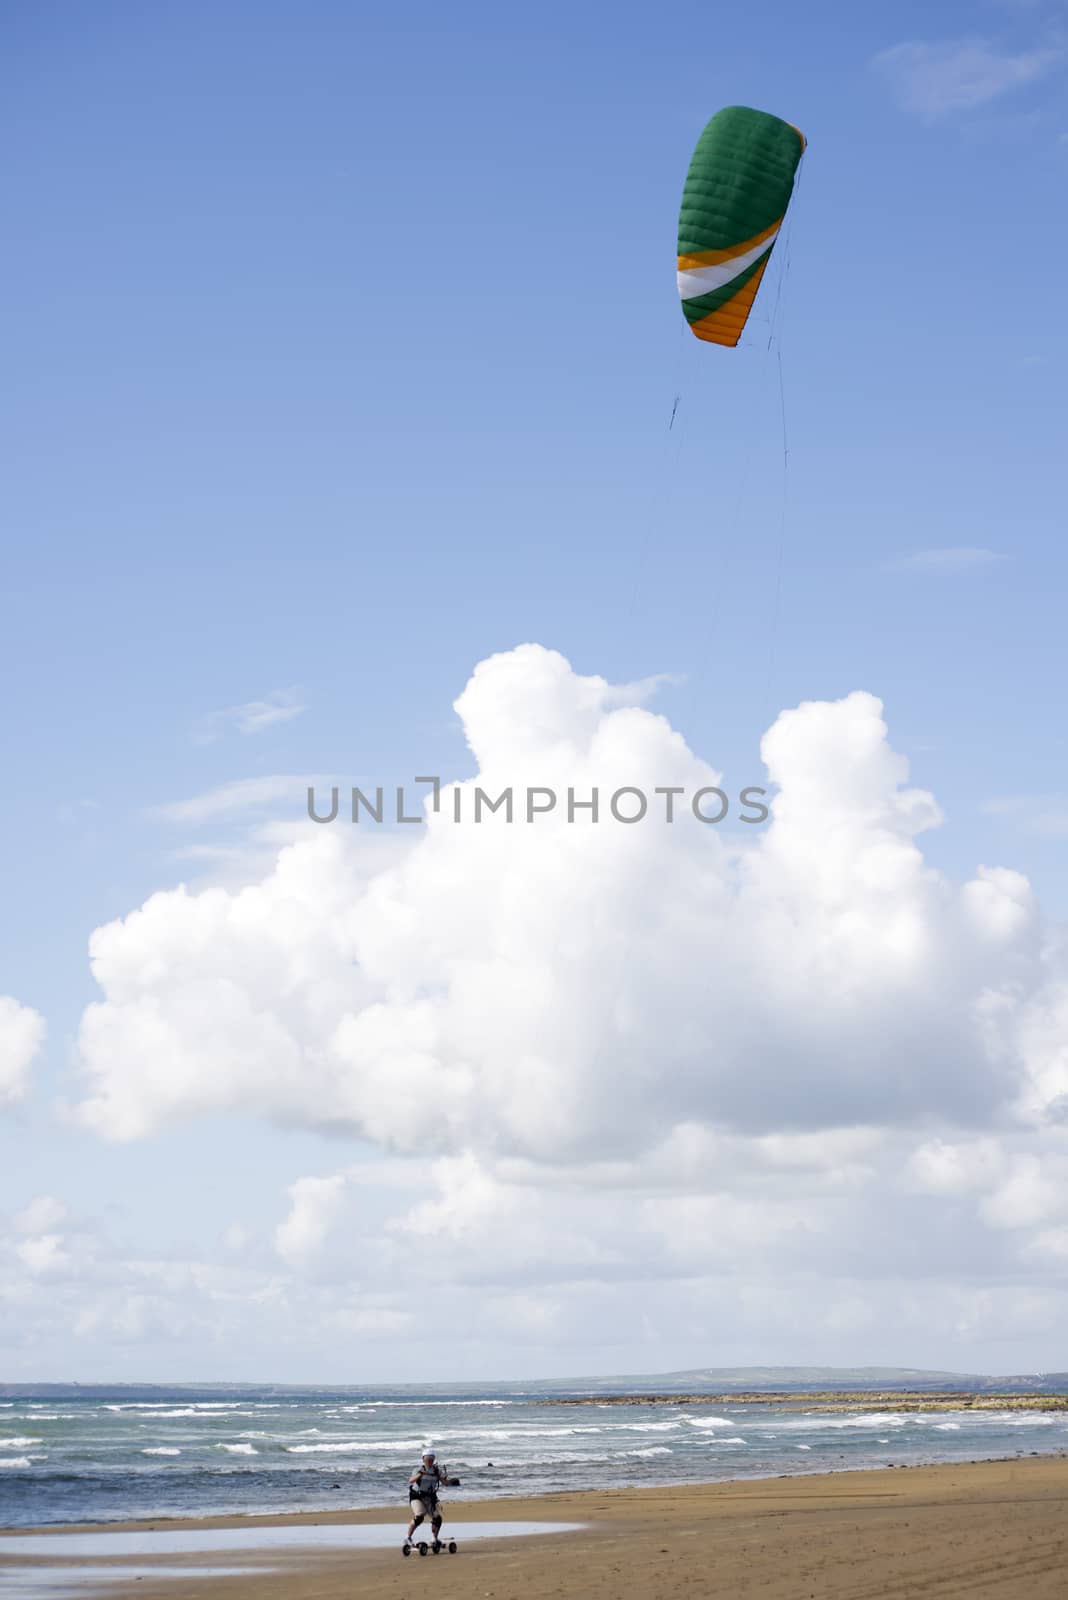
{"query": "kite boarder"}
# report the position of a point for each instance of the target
(423, 1486)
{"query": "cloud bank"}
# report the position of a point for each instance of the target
(786, 1076)
(567, 992)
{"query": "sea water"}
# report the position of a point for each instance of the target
(110, 1455)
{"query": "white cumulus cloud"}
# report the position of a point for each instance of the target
(22, 1032)
(42, 1215)
(563, 992)
(314, 1204)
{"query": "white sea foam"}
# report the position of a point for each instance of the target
(803, 1447)
(707, 1422)
(503, 1435)
(139, 1405)
(520, 1463)
(167, 1408)
(347, 1446)
(161, 1450)
(18, 1443)
(647, 1427)
(653, 1450)
(238, 1449)
(17, 1461)
(813, 1421)
(1032, 1419)
(947, 1427)
(206, 1413)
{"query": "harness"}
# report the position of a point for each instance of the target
(426, 1485)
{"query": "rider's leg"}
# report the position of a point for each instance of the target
(416, 1520)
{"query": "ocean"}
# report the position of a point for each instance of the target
(102, 1456)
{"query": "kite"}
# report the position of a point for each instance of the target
(737, 191)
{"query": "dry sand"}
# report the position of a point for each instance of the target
(996, 1530)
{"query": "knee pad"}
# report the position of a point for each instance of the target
(418, 1519)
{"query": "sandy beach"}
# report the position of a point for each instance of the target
(996, 1528)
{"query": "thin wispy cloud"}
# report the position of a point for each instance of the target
(935, 80)
(238, 799)
(1045, 814)
(947, 561)
(1050, 6)
(642, 690)
(254, 716)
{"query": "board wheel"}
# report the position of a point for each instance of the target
(436, 1547)
(452, 1547)
(406, 1548)
(422, 1547)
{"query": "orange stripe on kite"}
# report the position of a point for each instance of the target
(715, 258)
(724, 325)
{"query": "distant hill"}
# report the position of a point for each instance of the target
(721, 1380)
(709, 1380)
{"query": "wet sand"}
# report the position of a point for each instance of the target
(999, 1529)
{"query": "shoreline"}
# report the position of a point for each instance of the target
(501, 1507)
(945, 1529)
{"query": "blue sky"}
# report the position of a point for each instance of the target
(343, 350)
